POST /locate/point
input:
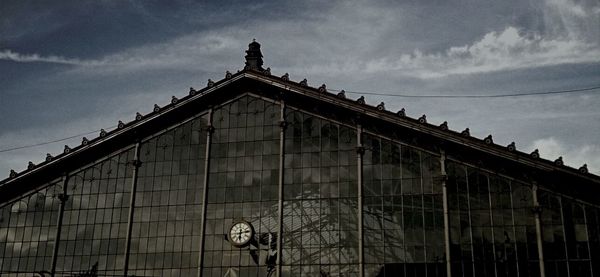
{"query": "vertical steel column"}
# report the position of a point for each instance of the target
(489, 193)
(587, 235)
(512, 222)
(210, 129)
(282, 125)
(537, 210)
(63, 197)
(134, 179)
(424, 231)
(360, 150)
(562, 221)
(444, 177)
(470, 221)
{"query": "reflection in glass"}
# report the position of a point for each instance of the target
(95, 216)
(28, 230)
(402, 213)
(168, 205)
(243, 185)
(492, 227)
(320, 198)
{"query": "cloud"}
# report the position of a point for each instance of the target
(509, 49)
(32, 58)
(569, 35)
(564, 39)
(574, 156)
(495, 51)
(187, 52)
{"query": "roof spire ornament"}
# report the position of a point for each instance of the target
(254, 57)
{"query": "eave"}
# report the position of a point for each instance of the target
(281, 88)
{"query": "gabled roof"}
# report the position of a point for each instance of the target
(282, 87)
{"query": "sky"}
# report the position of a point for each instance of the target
(71, 67)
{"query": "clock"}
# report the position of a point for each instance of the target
(240, 233)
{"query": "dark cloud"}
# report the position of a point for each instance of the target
(71, 67)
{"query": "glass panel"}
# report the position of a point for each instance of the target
(402, 213)
(567, 243)
(320, 198)
(95, 217)
(168, 207)
(592, 216)
(492, 226)
(28, 231)
(243, 186)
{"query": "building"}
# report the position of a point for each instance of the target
(198, 188)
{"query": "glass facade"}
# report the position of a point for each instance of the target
(28, 230)
(492, 224)
(402, 211)
(167, 215)
(95, 216)
(242, 185)
(179, 229)
(566, 236)
(320, 209)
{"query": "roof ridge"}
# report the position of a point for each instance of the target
(303, 84)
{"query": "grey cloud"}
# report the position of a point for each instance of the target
(346, 45)
(574, 156)
(30, 58)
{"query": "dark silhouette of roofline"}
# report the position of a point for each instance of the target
(178, 109)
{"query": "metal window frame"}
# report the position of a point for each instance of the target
(209, 133)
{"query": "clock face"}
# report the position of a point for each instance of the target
(240, 233)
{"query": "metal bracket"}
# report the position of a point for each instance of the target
(360, 150)
(210, 129)
(136, 163)
(63, 197)
(283, 124)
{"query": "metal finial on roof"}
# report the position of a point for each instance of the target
(559, 161)
(583, 169)
(381, 106)
(361, 100)
(30, 165)
(12, 174)
(444, 125)
(535, 154)
(512, 147)
(304, 82)
(192, 91)
(267, 71)
(342, 94)
(254, 57)
(228, 75)
(156, 108)
(423, 119)
(488, 139)
(466, 132)
(120, 125)
(102, 133)
(401, 112)
(49, 157)
(138, 116)
(323, 88)
(285, 77)
(84, 141)
(67, 149)
(210, 83)
(174, 100)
